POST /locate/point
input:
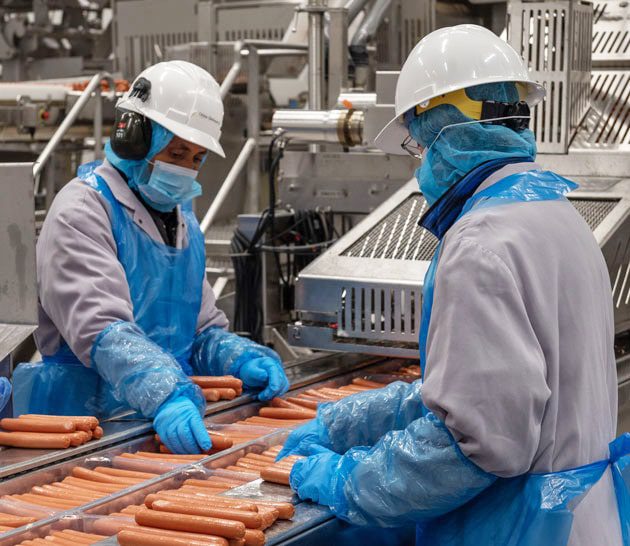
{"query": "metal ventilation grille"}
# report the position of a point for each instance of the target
(397, 236)
(390, 313)
(611, 42)
(608, 121)
(611, 34)
(598, 10)
(594, 210)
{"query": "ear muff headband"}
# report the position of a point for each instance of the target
(131, 138)
(519, 112)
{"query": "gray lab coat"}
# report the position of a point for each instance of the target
(82, 285)
(520, 359)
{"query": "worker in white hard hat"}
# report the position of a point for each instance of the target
(126, 313)
(509, 439)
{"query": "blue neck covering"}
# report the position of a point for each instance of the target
(445, 212)
(461, 148)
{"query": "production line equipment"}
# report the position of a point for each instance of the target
(364, 294)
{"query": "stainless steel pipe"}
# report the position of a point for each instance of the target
(343, 127)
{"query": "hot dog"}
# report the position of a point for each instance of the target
(37, 440)
(48, 491)
(80, 422)
(285, 509)
(275, 474)
(84, 473)
(211, 395)
(303, 402)
(224, 381)
(287, 413)
(220, 442)
(105, 487)
(239, 504)
(131, 509)
(149, 455)
(142, 465)
(251, 520)
(132, 537)
(37, 425)
(125, 473)
(254, 537)
(367, 383)
(80, 535)
(191, 524)
(252, 473)
(98, 433)
(226, 393)
(143, 537)
(259, 457)
(211, 484)
(9, 520)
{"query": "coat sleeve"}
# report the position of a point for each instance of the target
(210, 314)
(82, 285)
(485, 374)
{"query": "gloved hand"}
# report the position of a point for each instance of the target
(319, 477)
(298, 442)
(264, 372)
(181, 427)
(5, 392)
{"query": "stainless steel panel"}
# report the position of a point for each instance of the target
(363, 183)
(18, 283)
(555, 40)
(372, 264)
(611, 33)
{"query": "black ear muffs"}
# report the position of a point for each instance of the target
(492, 110)
(131, 138)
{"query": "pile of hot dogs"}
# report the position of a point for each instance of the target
(193, 514)
(226, 387)
(49, 431)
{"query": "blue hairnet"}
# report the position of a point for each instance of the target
(136, 169)
(460, 149)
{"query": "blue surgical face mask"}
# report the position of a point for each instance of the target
(169, 185)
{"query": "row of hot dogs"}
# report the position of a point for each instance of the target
(179, 511)
(49, 431)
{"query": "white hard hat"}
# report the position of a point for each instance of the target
(184, 98)
(450, 59)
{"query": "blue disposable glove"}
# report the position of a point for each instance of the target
(180, 426)
(408, 476)
(5, 392)
(321, 476)
(299, 441)
(266, 373)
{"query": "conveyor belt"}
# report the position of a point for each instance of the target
(331, 372)
(17, 461)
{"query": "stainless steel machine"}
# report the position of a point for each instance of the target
(307, 86)
(364, 294)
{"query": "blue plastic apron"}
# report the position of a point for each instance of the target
(165, 284)
(533, 509)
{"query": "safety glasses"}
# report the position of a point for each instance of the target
(411, 147)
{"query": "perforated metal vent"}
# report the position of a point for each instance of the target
(608, 120)
(594, 210)
(397, 236)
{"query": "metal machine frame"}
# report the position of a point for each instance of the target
(365, 293)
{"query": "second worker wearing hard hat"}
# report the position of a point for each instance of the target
(509, 439)
(126, 312)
